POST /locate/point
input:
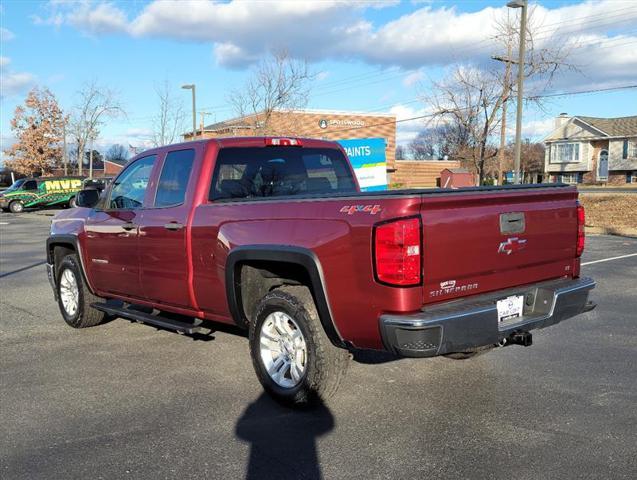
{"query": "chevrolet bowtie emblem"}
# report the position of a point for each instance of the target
(512, 245)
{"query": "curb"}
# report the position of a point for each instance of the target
(623, 232)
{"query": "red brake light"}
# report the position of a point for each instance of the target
(581, 221)
(283, 142)
(397, 252)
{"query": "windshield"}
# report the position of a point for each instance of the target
(16, 185)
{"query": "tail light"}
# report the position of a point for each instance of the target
(397, 252)
(283, 142)
(581, 220)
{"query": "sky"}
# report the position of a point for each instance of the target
(368, 56)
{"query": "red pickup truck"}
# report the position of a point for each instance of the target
(273, 235)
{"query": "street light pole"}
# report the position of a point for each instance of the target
(191, 86)
(518, 121)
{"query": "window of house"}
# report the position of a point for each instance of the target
(632, 149)
(572, 178)
(173, 181)
(130, 186)
(565, 152)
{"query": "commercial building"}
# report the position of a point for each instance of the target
(592, 150)
(325, 124)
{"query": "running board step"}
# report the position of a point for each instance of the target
(155, 320)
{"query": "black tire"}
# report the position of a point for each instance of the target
(16, 206)
(84, 315)
(325, 364)
(72, 202)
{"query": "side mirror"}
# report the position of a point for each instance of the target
(87, 198)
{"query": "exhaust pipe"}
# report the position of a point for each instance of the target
(521, 338)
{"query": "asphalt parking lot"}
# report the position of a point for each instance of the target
(125, 400)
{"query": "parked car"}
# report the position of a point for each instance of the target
(97, 183)
(273, 235)
(40, 192)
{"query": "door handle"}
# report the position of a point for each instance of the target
(129, 226)
(173, 226)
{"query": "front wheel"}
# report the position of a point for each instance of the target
(74, 297)
(16, 206)
(292, 356)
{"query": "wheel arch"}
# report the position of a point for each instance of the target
(253, 270)
(57, 247)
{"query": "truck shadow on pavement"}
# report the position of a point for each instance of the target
(18, 270)
(283, 441)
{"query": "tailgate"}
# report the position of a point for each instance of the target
(482, 241)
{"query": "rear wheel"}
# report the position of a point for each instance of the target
(72, 203)
(16, 206)
(292, 356)
(74, 297)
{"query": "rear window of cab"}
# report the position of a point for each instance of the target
(257, 172)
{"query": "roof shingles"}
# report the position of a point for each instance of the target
(614, 127)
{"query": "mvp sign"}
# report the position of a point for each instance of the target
(62, 186)
(367, 156)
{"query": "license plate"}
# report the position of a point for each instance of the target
(510, 307)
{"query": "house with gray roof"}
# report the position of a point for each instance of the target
(592, 150)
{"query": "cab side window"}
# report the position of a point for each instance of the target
(130, 187)
(173, 180)
(30, 185)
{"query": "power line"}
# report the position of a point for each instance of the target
(431, 115)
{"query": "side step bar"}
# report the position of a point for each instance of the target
(156, 320)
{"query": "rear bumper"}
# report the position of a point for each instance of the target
(464, 325)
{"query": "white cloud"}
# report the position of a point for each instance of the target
(13, 83)
(241, 31)
(413, 78)
(535, 129)
(406, 130)
(6, 35)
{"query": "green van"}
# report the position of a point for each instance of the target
(40, 192)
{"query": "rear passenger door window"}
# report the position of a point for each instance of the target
(173, 181)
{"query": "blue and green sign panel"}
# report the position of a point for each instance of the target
(367, 156)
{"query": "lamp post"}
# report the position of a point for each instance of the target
(518, 121)
(191, 86)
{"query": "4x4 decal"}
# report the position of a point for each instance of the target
(352, 209)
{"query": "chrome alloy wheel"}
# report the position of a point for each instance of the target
(69, 292)
(283, 349)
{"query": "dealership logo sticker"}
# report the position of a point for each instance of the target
(352, 209)
(323, 123)
(512, 245)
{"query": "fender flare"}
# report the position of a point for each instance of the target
(280, 254)
(67, 240)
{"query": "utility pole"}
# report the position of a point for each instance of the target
(506, 91)
(90, 160)
(201, 121)
(65, 158)
(191, 86)
(518, 120)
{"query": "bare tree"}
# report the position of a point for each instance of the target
(168, 123)
(278, 82)
(117, 153)
(468, 100)
(544, 59)
(95, 104)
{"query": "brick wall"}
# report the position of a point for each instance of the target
(338, 126)
(413, 174)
